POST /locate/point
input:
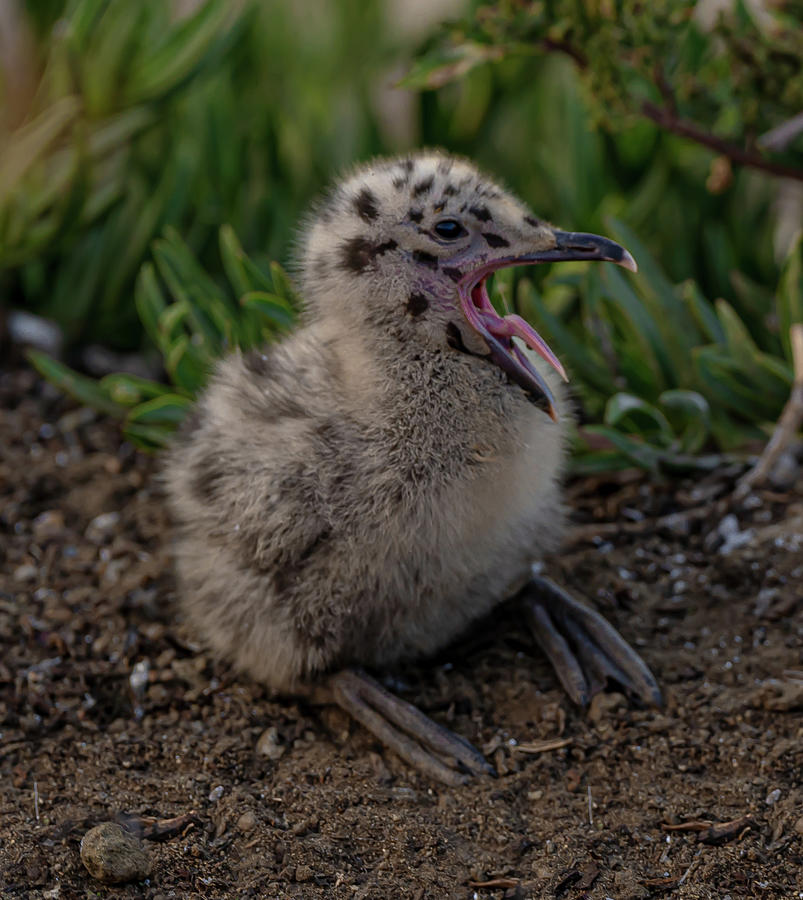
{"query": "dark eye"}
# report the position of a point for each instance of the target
(449, 229)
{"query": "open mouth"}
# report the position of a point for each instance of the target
(498, 331)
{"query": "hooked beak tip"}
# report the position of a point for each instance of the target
(627, 262)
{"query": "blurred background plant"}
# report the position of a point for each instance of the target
(674, 127)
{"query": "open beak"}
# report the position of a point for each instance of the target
(498, 332)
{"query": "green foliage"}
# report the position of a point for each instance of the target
(192, 322)
(732, 73)
(142, 119)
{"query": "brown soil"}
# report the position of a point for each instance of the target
(315, 807)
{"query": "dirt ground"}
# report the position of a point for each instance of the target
(280, 799)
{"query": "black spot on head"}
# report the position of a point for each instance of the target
(481, 213)
(407, 165)
(450, 190)
(365, 204)
(358, 253)
(426, 259)
(445, 166)
(415, 215)
(454, 274)
(257, 362)
(400, 183)
(424, 186)
(206, 479)
(379, 249)
(495, 240)
(531, 220)
(417, 304)
(454, 338)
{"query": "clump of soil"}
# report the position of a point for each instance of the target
(109, 712)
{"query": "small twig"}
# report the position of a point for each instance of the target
(723, 832)
(590, 807)
(668, 120)
(714, 832)
(695, 825)
(496, 883)
(788, 425)
(36, 800)
(543, 746)
(150, 828)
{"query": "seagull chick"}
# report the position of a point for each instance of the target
(361, 492)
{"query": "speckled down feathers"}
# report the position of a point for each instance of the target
(362, 491)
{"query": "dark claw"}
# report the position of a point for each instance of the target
(406, 730)
(598, 652)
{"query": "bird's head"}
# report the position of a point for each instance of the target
(408, 244)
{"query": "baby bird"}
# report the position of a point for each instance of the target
(361, 492)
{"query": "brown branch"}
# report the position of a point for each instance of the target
(666, 117)
(668, 120)
(566, 48)
(788, 425)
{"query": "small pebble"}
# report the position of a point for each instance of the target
(269, 744)
(25, 573)
(102, 527)
(773, 797)
(247, 821)
(48, 525)
(113, 855)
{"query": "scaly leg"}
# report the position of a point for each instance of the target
(585, 650)
(432, 749)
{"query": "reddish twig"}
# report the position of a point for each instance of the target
(150, 828)
(714, 832)
(668, 120)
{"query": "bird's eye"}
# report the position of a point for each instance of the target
(449, 229)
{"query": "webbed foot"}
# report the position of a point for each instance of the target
(585, 650)
(432, 749)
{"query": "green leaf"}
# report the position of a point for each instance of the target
(186, 366)
(275, 310)
(79, 387)
(646, 347)
(282, 286)
(233, 256)
(639, 453)
(185, 48)
(129, 390)
(634, 415)
(149, 438)
(690, 414)
(702, 311)
(443, 65)
(166, 409)
(150, 303)
(578, 358)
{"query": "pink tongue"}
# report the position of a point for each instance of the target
(514, 326)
